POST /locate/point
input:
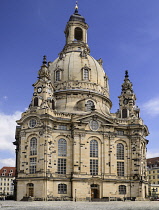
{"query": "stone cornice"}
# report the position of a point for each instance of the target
(84, 91)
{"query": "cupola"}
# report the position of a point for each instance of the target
(76, 29)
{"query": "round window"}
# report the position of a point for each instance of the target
(32, 123)
(94, 125)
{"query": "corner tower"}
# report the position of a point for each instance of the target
(127, 100)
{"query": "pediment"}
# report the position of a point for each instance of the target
(41, 82)
(38, 83)
(94, 116)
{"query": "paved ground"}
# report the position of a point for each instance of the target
(68, 205)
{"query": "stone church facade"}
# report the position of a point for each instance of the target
(68, 144)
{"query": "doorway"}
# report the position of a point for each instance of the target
(94, 191)
(30, 190)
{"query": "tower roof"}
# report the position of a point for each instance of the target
(44, 72)
(127, 85)
(76, 16)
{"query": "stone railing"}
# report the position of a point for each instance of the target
(80, 85)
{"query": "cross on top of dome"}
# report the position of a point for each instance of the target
(76, 8)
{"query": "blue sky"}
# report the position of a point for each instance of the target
(125, 34)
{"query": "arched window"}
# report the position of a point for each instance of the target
(61, 166)
(124, 113)
(120, 168)
(120, 151)
(94, 167)
(122, 189)
(93, 148)
(94, 154)
(78, 34)
(86, 71)
(53, 104)
(58, 75)
(62, 189)
(85, 74)
(33, 146)
(33, 162)
(89, 105)
(62, 147)
(36, 101)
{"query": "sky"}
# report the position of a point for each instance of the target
(125, 34)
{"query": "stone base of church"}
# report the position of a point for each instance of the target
(87, 190)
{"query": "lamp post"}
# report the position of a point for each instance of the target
(75, 195)
(124, 196)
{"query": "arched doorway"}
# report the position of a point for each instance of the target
(94, 191)
(30, 189)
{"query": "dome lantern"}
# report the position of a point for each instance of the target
(76, 29)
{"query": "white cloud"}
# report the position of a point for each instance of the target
(7, 128)
(151, 107)
(152, 154)
(10, 162)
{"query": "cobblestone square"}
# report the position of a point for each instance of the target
(67, 205)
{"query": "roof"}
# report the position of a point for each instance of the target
(7, 171)
(77, 17)
(153, 161)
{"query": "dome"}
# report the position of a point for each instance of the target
(75, 66)
(80, 83)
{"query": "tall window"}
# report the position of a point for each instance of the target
(32, 165)
(85, 74)
(36, 101)
(89, 105)
(93, 166)
(61, 166)
(78, 34)
(120, 151)
(33, 146)
(124, 113)
(122, 189)
(62, 189)
(120, 168)
(57, 75)
(53, 104)
(93, 148)
(62, 147)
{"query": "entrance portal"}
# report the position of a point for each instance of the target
(94, 191)
(30, 190)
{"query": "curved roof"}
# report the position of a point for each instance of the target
(77, 17)
(71, 67)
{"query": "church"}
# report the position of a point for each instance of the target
(69, 146)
